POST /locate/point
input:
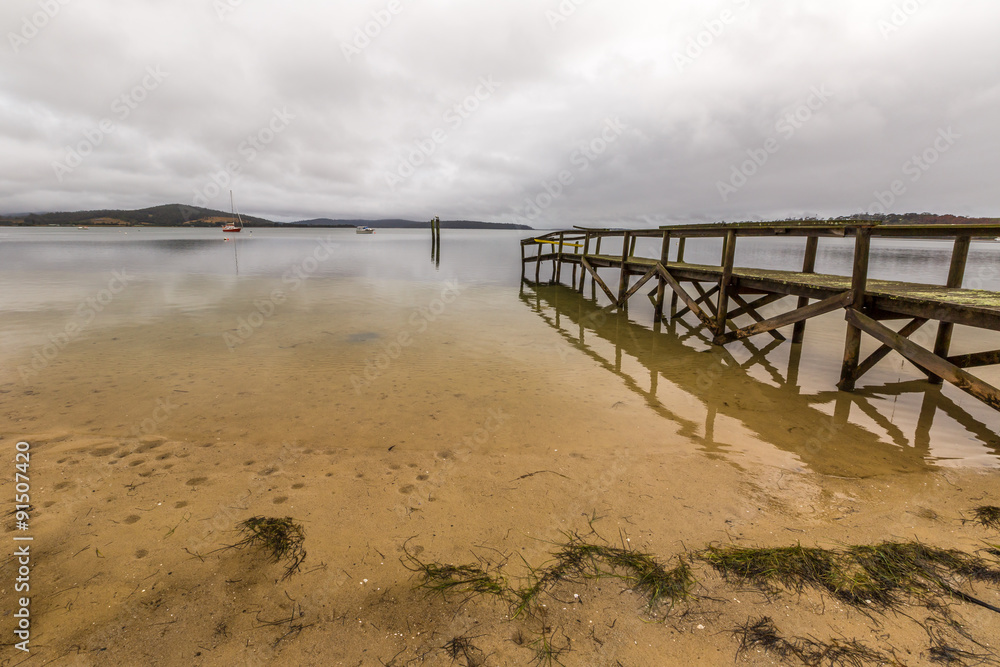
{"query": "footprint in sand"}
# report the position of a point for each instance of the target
(298, 485)
(141, 553)
(180, 504)
(132, 518)
(103, 451)
(195, 481)
(279, 500)
(407, 489)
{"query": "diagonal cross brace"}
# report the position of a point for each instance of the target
(827, 305)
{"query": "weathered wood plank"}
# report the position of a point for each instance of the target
(598, 280)
(879, 354)
(926, 360)
(791, 317)
(765, 300)
(750, 310)
(684, 296)
(642, 281)
(703, 298)
(976, 359)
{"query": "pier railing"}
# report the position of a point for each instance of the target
(719, 295)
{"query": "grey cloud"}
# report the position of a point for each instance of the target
(696, 85)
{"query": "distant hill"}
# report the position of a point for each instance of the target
(916, 219)
(934, 219)
(408, 224)
(168, 215)
(179, 215)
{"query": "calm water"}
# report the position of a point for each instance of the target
(281, 314)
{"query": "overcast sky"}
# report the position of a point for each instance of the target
(535, 111)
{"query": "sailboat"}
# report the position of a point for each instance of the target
(232, 226)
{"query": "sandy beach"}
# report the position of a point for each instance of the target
(485, 439)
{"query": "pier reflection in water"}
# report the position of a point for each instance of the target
(730, 400)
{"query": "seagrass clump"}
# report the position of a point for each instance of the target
(879, 574)
(279, 539)
(987, 516)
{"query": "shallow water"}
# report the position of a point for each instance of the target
(277, 335)
(401, 406)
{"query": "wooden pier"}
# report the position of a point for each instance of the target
(724, 295)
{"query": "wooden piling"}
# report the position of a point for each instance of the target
(557, 262)
(859, 276)
(808, 266)
(680, 258)
(956, 276)
(661, 283)
(623, 278)
(728, 257)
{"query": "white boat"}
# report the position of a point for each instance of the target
(364, 230)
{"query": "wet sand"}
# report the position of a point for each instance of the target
(487, 433)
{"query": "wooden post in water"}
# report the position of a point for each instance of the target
(586, 251)
(859, 278)
(623, 279)
(557, 262)
(661, 282)
(728, 257)
(522, 262)
(576, 251)
(538, 260)
(808, 266)
(956, 276)
(680, 258)
(436, 241)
